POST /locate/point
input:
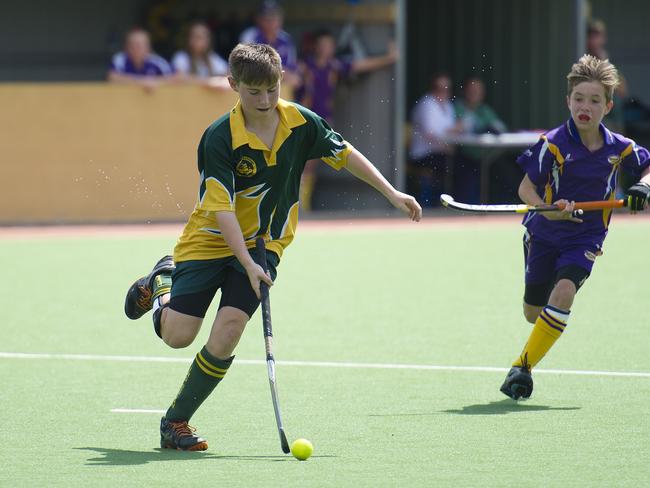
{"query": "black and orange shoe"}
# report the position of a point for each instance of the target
(139, 297)
(180, 435)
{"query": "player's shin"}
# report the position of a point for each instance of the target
(204, 375)
(547, 329)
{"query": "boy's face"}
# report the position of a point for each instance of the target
(474, 92)
(256, 99)
(138, 46)
(588, 105)
(270, 23)
(441, 88)
(325, 47)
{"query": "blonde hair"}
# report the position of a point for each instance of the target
(590, 68)
(255, 64)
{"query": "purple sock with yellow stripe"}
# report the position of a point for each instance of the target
(204, 375)
(547, 329)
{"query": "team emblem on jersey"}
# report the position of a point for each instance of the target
(246, 167)
(590, 256)
(614, 159)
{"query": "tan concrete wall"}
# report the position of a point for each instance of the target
(95, 152)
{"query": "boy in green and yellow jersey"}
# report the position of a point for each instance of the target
(250, 162)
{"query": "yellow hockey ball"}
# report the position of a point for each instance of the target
(301, 449)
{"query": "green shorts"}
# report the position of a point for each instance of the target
(195, 283)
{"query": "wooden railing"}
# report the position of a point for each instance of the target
(95, 152)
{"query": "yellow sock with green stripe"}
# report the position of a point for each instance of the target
(547, 329)
(162, 284)
(204, 375)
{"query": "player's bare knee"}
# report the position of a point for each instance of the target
(226, 331)
(178, 335)
(233, 328)
(178, 340)
(531, 312)
(178, 330)
(565, 288)
(563, 294)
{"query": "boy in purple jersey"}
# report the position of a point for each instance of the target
(320, 74)
(137, 64)
(578, 161)
(268, 30)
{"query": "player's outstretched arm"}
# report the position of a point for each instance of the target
(232, 234)
(362, 168)
(639, 193)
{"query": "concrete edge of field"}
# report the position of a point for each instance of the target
(436, 219)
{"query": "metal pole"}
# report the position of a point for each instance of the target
(400, 95)
(580, 14)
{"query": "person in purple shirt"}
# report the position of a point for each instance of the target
(577, 161)
(137, 64)
(320, 74)
(268, 30)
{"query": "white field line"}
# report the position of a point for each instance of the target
(136, 410)
(318, 364)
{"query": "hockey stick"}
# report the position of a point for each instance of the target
(449, 202)
(268, 343)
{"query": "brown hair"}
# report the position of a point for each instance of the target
(255, 64)
(204, 56)
(590, 68)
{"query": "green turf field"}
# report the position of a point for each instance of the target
(446, 296)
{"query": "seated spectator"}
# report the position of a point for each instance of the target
(137, 64)
(199, 63)
(475, 117)
(433, 119)
(268, 30)
(320, 74)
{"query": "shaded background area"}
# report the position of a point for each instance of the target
(521, 49)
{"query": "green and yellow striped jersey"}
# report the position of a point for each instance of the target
(239, 173)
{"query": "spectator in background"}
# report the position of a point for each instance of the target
(137, 64)
(321, 72)
(433, 119)
(596, 42)
(319, 75)
(199, 63)
(475, 117)
(268, 30)
(629, 115)
(597, 38)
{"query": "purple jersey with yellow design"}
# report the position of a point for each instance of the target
(283, 44)
(562, 167)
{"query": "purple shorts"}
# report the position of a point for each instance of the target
(543, 259)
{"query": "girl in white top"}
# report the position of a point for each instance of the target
(199, 63)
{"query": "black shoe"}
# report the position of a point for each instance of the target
(180, 435)
(138, 298)
(518, 383)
